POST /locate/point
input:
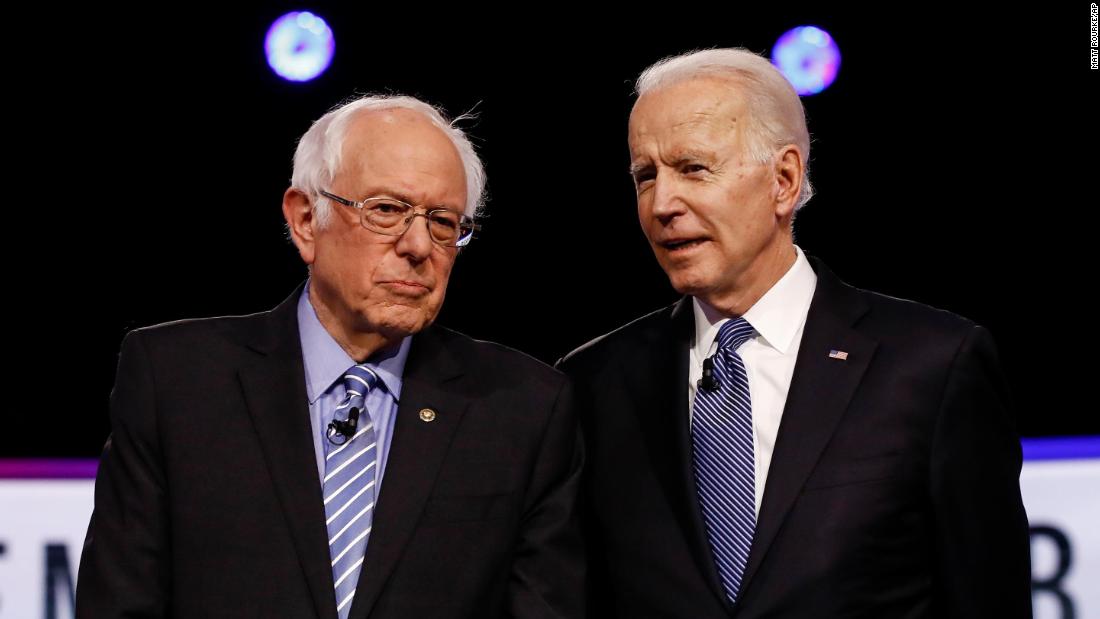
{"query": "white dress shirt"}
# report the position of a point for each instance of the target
(769, 355)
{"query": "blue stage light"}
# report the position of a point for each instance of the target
(808, 57)
(299, 46)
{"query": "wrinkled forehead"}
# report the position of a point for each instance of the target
(710, 109)
(401, 152)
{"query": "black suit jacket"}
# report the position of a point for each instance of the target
(208, 502)
(893, 489)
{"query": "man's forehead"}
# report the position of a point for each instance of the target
(687, 136)
(690, 102)
(443, 189)
(407, 154)
(682, 127)
(425, 184)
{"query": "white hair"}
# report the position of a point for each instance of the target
(317, 158)
(776, 116)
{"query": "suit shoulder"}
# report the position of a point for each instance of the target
(197, 334)
(884, 316)
(494, 359)
(916, 318)
(918, 330)
(621, 340)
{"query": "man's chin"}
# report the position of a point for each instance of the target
(399, 321)
(684, 284)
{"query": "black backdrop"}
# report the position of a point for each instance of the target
(954, 160)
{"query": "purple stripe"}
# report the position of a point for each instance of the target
(1061, 448)
(1052, 448)
(48, 469)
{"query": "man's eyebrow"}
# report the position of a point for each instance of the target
(692, 155)
(681, 159)
(407, 199)
(380, 192)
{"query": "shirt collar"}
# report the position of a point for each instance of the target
(326, 362)
(777, 316)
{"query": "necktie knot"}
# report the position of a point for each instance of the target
(733, 333)
(359, 380)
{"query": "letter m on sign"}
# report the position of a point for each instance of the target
(59, 582)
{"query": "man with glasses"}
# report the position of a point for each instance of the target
(340, 456)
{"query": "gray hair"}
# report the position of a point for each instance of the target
(319, 151)
(776, 116)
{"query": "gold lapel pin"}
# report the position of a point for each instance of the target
(427, 415)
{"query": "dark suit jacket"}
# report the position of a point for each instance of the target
(893, 489)
(208, 503)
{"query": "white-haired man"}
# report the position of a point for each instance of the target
(339, 456)
(778, 443)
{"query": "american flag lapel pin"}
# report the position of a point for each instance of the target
(838, 354)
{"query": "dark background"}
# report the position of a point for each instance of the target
(954, 160)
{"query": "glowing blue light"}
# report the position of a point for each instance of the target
(299, 46)
(808, 57)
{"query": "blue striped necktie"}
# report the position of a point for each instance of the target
(349, 489)
(723, 458)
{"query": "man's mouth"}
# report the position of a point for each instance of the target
(674, 245)
(406, 286)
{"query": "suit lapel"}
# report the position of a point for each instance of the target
(821, 388)
(274, 390)
(416, 454)
(663, 415)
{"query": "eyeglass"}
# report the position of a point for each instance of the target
(393, 217)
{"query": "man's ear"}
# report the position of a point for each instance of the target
(300, 222)
(789, 169)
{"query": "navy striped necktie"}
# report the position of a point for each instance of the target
(723, 458)
(349, 488)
